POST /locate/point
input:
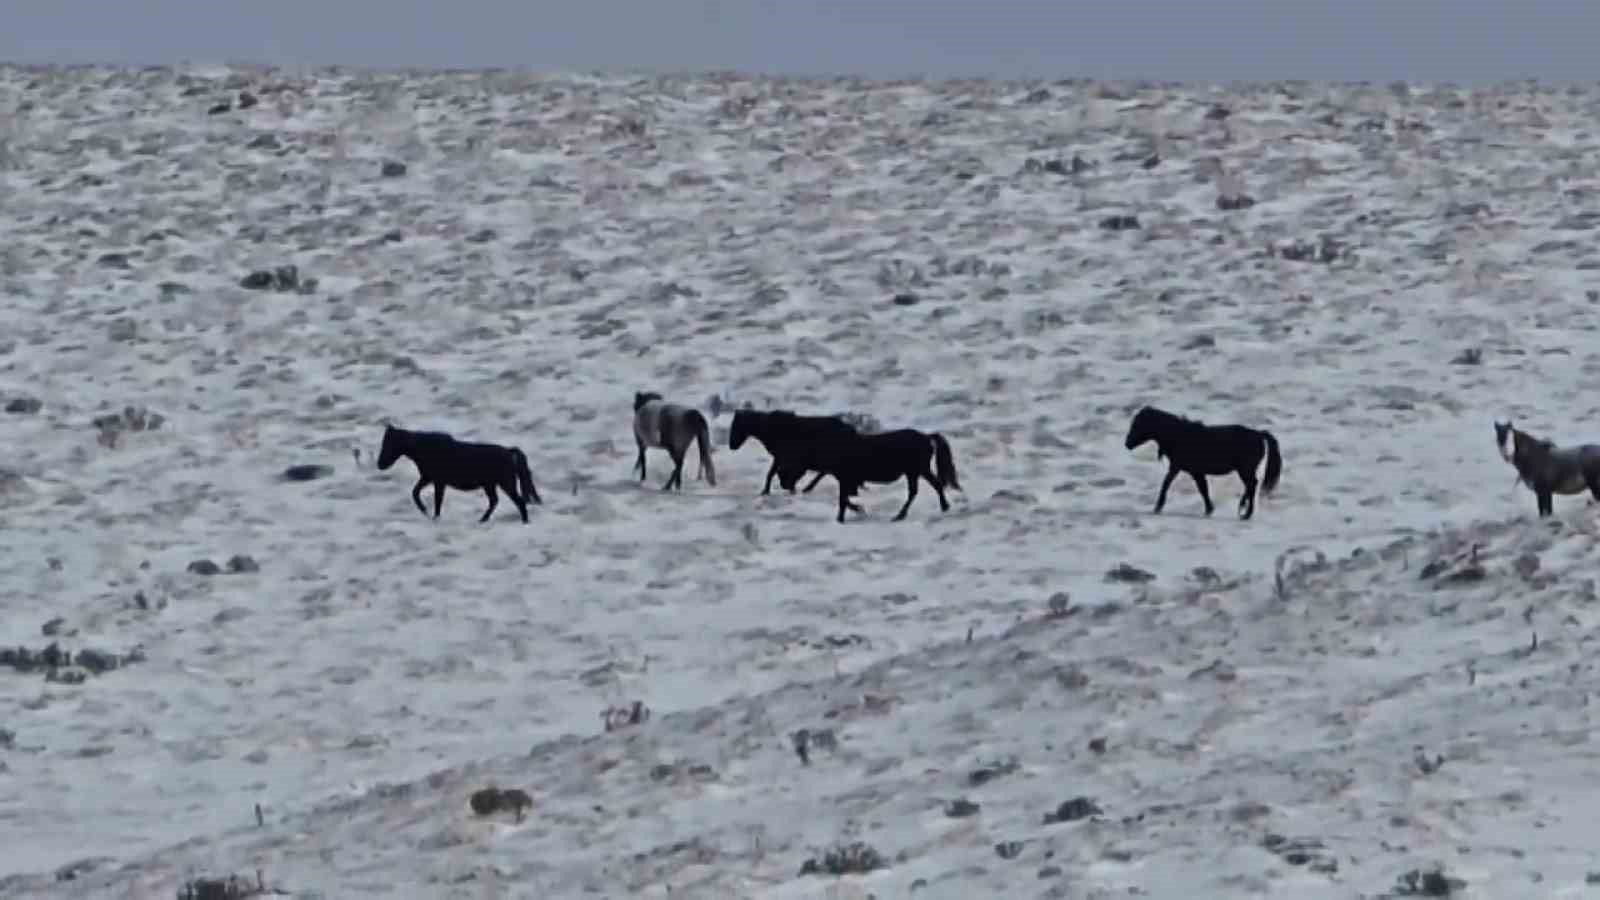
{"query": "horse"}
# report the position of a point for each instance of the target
(854, 459)
(443, 461)
(671, 427)
(1548, 470)
(779, 431)
(1193, 446)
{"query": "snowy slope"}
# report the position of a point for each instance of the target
(555, 244)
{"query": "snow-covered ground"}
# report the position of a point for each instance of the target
(1310, 704)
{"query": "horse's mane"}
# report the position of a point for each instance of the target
(1156, 412)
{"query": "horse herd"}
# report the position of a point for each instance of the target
(825, 445)
(832, 446)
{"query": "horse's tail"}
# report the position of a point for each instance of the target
(702, 436)
(944, 461)
(1274, 464)
(524, 477)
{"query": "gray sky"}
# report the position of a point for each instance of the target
(1467, 41)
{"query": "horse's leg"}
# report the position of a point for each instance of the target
(938, 488)
(767, 488)
(807, 488)
(640, 464)
(1161, 498)
(494, 500)
(1247, 503)
(911, 494)
(677, 471)
(438, 498)
(1200, 482)
(1547, 505)
(508, 483)
(416, 495)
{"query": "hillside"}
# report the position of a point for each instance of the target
(194, 298)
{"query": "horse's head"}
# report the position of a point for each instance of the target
(1503, 439)
(640, 398)
(1142, 428)
(739, 429)
(390, 450)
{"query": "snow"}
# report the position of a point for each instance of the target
(559, 242)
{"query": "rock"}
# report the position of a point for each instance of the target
(1325, 250)
(1009, 849)
(123, 330)
(53, 627)
(240, 563)
(1218, 112)
(516, 800)
(1433, 883)
(393, 236)
(1218, 669)
(1073, 810)
(1468, 210)
(482, 236)
(1097, 745)
(216, 889)
(97, 663)
(23, 405)
(485, 801)
(1036, 96)
(282, 279)
(1199, 342)
(219, 109)
(1151, 161)
(1129, 574)
(905, 298)
(1234, 202)
(985, 774)
(54, 662)
(204, 567)
(264, 141)
(393, 169)
(844, 859)
(259, 280)
(961, 808)
(306, 472)
(1120, 223)
(247, 100)
(114, 261)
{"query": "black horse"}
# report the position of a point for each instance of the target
(1200, 449)
(443, 461)
(781, 431)
(882, 458)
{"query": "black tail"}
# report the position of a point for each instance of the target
(1274, 464)
(702, 436)
(525, 477)
(944, 462)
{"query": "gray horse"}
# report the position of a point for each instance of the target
(1548, 470)
(671, 427)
